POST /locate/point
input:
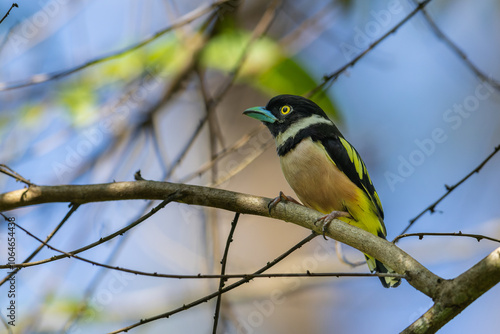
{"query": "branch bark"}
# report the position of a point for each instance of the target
(450, 296)
(459, 293)
(418, 276)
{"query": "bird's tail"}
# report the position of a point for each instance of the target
(378, 267)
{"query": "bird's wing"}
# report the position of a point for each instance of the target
(347, 159)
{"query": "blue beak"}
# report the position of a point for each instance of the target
(261, 113)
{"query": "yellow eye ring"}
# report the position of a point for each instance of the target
(285, 110)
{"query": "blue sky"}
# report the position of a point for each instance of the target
(411, 107)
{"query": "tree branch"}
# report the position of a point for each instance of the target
(432, 208)
(421, 235)
(184, 20)
(459, 293)
(330, 78)
(450, 296)
(460, 54)
(39, 248)
(223, 271)
(101, 240)
(8, 12)
(12, 173)
(418, 276)
(219, 292)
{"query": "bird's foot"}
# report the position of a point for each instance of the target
(326, 220)
(281, 198)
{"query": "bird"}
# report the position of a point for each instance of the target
(324, 170)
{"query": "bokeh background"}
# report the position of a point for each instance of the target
(413, 108)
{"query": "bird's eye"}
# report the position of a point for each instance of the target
(285, 110)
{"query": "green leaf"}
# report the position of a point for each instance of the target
(80, 100)
(267, 67)
(31, 113)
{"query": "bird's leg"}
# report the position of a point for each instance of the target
(326, 220)
(281, 198)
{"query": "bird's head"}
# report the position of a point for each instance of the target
(283, 112)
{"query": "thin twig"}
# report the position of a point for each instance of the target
(223, 270)
(157, 143)
(439, 34)
(431, 208)
(458, 293)
(478, 237)
(213, 123)
(333, 76)
(186, 147)
(79, 257)
(74, 207)
(89, 291)
(222, 277)
(195, 46)
(12, 173)
(388, 253)
(176, 83)
(56, 249)
(211, 238)
(242, 165)
(186, 19)
(121, 231)
(185, 72)
(316, 23)
(224, 290)
(121, 131)
(260, 29)
(8, 12)
(224, 152)
(7, 219)
(342, 258)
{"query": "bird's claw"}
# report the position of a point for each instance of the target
(326, 220)
(281, 198)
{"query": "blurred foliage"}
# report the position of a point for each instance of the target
(80, 99)
(267, 68)
(31, 114)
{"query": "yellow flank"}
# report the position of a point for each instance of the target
(379, 203)
(320, 185)
(361, 170)
(355, 159)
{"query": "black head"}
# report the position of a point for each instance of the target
(284, 111)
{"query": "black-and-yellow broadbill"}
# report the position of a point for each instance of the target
(323, 169)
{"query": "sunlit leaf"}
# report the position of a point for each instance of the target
(124, 67)
(31, 114)
(80, 101)
(267, 67)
